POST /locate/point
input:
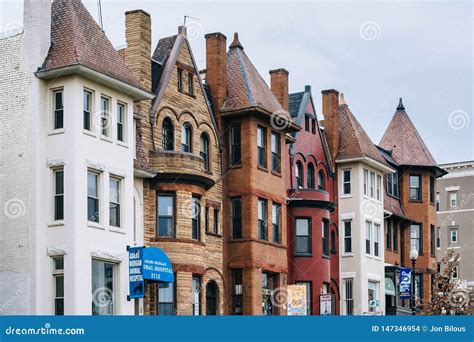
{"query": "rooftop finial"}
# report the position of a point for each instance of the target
(341, 100)
(236, 43)
(400, 105)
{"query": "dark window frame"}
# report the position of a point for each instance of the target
(58, 208)
(236, 215)
(309, 237)
(179, 75)
(187, 132)
(419, 196)
(191, 84)
(235, 137)
(299, 175)
(347, 238)
(276, 156)
(115, 204)
(168, 217)
(121, 121)
(276, 227)
(262, 146)
(325, 237)
(58, 274)
(87, 109)
(432, 190)
(347, 185)
(205, 151)
(196, 218)
(310, 176)
(58, 111)
(95, 200)
(432, 240)
(321, 180)
(262, 221)
(167, 132)
(237, 291)
(419, 238)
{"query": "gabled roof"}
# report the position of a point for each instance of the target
(245, 86)
(294, 103)
(353, 140)
(406, 144)
(76, 39)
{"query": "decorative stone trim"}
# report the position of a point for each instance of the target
(107, 255)
(55, 162)
(95, 166)
(56, 251)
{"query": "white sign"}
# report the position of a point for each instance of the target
(325, 304)
(297, 300)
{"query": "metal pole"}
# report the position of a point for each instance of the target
(413, 303)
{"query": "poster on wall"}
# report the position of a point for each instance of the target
(325, 301)
(405, 283)
(297, 300)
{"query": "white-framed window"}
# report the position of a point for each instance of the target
(347, 236)
(453, 235)
(348, 297)
(372, 184)
(196, 295)
(366, 181)
(437, 201)
(104, 279)
(373, 295)
(87, 110)
(93, 194)
(58, 275)
(376, 239)
(121, 121)
(378, 187)
(453, 199)
(368, 237)
(115, 184)
(58, 109)
(58, 203)
(105, 116)
(346, 182)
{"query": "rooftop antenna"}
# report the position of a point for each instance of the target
(186, 17)
(99, 5)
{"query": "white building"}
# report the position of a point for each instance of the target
(360, 168)
(66, 171)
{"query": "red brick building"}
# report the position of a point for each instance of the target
(312, 233)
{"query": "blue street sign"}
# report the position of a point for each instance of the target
(405, 283)
(135, 267)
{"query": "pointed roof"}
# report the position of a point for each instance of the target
(406, 144)
(245, 86)
(76, 39)
(353, 140)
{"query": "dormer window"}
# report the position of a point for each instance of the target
(180, 80)
(190, 84)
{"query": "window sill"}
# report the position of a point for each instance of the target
(239, 166)
(117, 230)
(276, 173)
(56, 131)
(415, 201)
(59, 223)
(89, 133)
(454, 247)
(347, 196)
(122, 144)
(303, 255)
(262, 168)
(105, 138)
(347, 255)
(214, 234)
(95, 225)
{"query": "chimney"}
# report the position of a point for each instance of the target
(331, 120)
(37, 31)
(216, 62)
(138, 51)
(279, 85)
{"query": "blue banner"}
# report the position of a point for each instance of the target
(157, 265)
(405, 283)
(135, 267)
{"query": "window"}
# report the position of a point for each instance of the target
(310, 176)
(180, 80)
(321, 180)
(114, 202)
(313, 126)
(268, 285)
(455, 272)
(372, 184)
(276, 222)
(333, 242)
(306, 123)
(190, 84)
(348, 297)
(168, 135)
(299, 175)
(93, 197)
(366, 181)
(58, 195)
(346, 179)
(205, 151)
(236, 217)
(58, 107)
(418, 286)
(373, 296)
(309, 296)
(196, 288)
(186, 138)
(211, 298)
(415, 237)
(165, 207)
(437, 201)
(103, 288)
(376, 239)
(432, 189)
(368, 236)
(262, 146)
(237, 295)
(438, 237)
(453, 199)
(104, 116)
(348, 236)
(165, 299)
(395, 237)
(388, 234)
(378, 187)
(216, 221)
(303, 236)
(87, 110)
(121, 115)
(275, 142)
(453, 233)
(235, 151)
(392, 184)
(206, 220)
(58, 274)
(262, 219)
(325, 237)
(196, 218)
(415, 188)
(432, 240)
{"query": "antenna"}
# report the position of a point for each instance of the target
(186, 17)
(99, 5)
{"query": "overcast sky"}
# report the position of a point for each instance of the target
(373, 52)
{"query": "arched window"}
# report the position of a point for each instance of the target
(205, 151)
(211, 298)
(299, 175)
(321, 180)
(310, 176)
(168, 135)
(186, 138)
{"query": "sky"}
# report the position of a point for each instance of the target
(372, 51)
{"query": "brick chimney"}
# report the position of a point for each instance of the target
(37, 31)
(216, 62)
(138, 51)
(279, 85)
(331, 120)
